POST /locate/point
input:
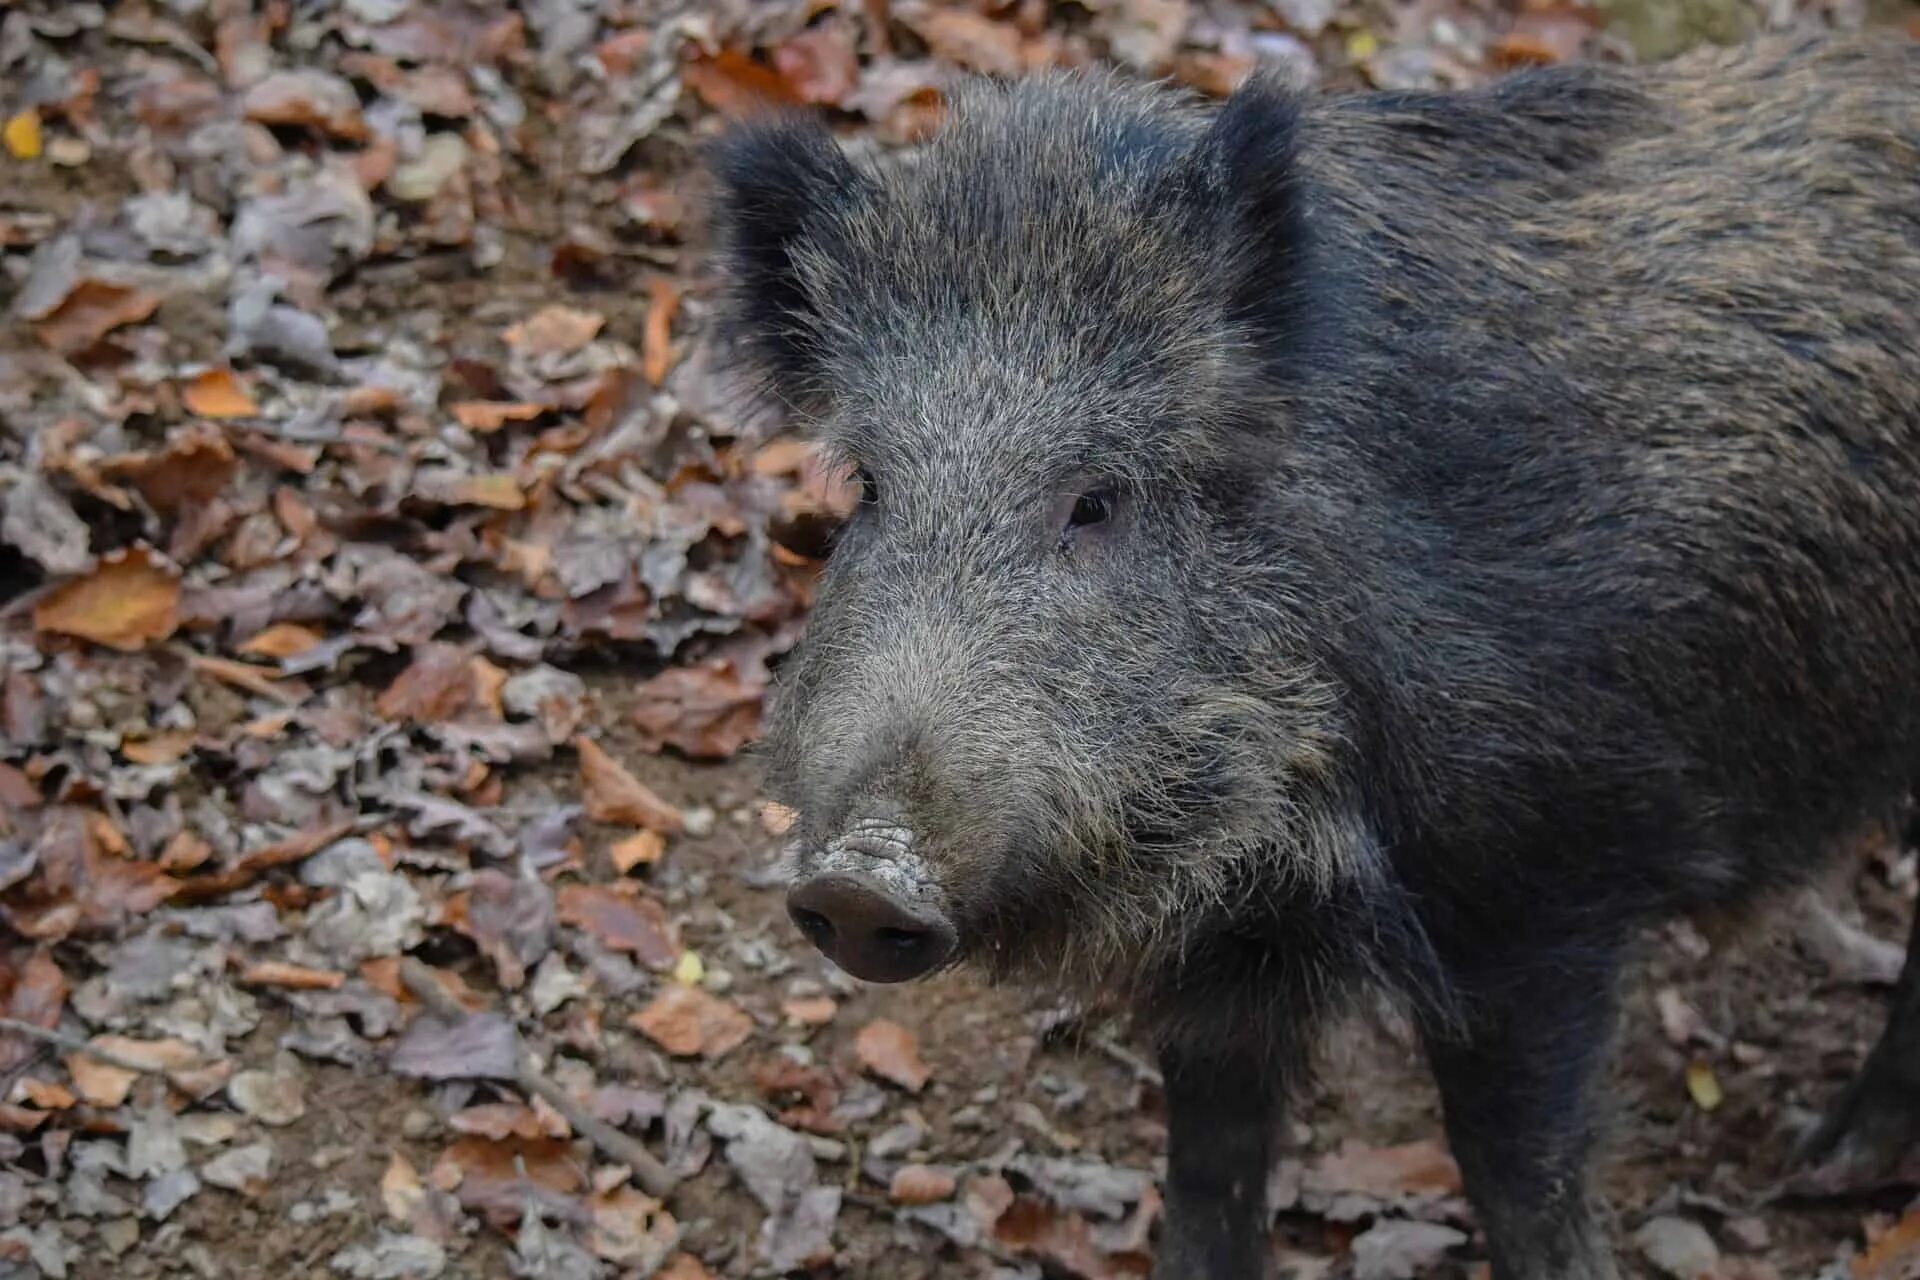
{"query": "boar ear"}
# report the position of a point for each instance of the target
(1250, 196)
(778, 179)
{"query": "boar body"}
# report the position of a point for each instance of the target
(1399, 542)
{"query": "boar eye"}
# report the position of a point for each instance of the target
(869, 487)
(1091, 508)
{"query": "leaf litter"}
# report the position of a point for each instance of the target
(378, 551)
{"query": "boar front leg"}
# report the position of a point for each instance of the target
(1518, 1091)
(1221, 1116)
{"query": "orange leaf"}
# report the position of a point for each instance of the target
(46, 1095)
(294, 977)
(686, 1021)
(614, 795)
(656, 346)
(733, 84)
(920, 1184)
(491, 415)
(498, 490)
(191, 470)
(159, 748)
(282, 640)
(642, 848)
(130, 600)
(892, 1052)
(810, 1011)
(108, 1086)
(93, 310)
(218, 394)
(1895, 1255)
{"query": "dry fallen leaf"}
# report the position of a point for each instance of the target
(555, 330)
(218, 394)
(892, 1052)
(34, 992)
(490, 415)
(810, 1011)
(293, 977)
(732, 83)
(614, 795)
(820, 64)
(1358, 1179)
(487, 1175)
(920, 1184)
(90, 312)
(107, 1086)
(437, 686)
(500, 1120)
(641, 849)
(631, 1228)
(656, 352)
(1894, 1255)
(630, 922)
(316, 99)
(282, 640)
(971, 39)
(705, 713)
(163, 747)
(130, 600)
(401, 1190)
(190, 471)
(686, 1021)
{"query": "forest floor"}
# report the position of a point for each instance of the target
(383, 583)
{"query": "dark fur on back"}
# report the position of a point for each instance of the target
(1520, 511)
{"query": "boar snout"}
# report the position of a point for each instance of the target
(870, 906)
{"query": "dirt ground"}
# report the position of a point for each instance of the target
(376, 561)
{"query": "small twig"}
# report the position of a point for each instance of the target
(1126, 1057)
(653, 1177)
(73, 1044)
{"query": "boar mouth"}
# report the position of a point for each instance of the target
(870, 904)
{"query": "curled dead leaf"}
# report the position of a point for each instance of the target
(130, 600)
(705, 713)
(686, 1021)
(90, 312)
(293, 977)
(656, 350)
(435, 687)
(315, 99)
(218, 394)
(282, 640)
(892, 1052)
(614, 795)
(641, 849)
(630, 922)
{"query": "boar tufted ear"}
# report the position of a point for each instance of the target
(777, 180)
(1251, 197)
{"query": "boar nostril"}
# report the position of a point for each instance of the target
(901, 939)
(868, 931)
(817, 928)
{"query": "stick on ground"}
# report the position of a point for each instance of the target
(652, 1176)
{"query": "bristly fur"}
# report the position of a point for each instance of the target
(1517, 539)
